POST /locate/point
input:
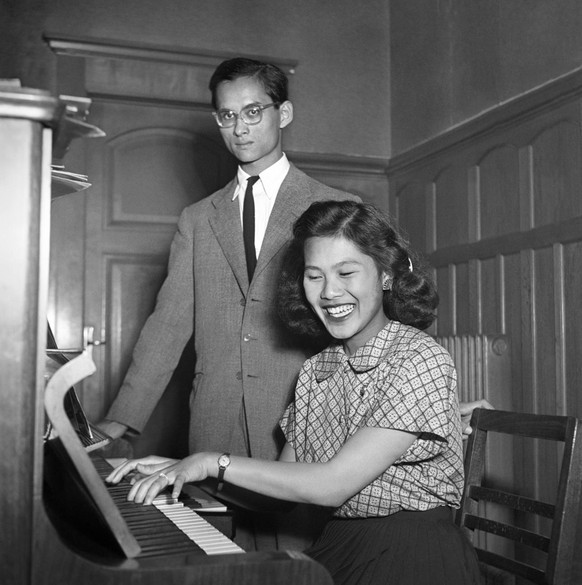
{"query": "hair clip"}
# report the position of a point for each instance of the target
(409, 264)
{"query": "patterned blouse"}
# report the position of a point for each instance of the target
(401, 379)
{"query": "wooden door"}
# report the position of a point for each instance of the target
(154, 161)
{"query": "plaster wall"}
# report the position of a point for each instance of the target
(454, 59)
(341, 87)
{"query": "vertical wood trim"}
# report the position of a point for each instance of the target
(474, 203)
(431, 224)
(476, 295)
(560, 329)
(394, 205)
(500, 260)
(526, 188)
(530, 309)
(529, 352)
(453, 293)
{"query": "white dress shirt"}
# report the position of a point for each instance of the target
(265, 193)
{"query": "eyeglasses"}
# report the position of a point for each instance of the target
(251, 114)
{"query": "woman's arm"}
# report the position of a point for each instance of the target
(363, 458)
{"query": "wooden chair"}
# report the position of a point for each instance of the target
(541, 542)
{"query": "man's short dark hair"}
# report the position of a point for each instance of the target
(273, 80)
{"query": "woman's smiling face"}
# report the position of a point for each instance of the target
(344, 288)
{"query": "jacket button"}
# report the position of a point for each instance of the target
(239, 375)
(247, 337)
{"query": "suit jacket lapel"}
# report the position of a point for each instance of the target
(290, 203)
(225, 223)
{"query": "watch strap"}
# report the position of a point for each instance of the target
(221, 470)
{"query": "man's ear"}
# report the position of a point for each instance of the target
(285, 113)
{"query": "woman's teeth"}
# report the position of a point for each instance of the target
(340, 311)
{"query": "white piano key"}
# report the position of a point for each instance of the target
(199, 530)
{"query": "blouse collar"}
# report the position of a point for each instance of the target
(366, 357)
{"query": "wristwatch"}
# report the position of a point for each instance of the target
(223, 463)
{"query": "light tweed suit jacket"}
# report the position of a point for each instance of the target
(241, 347)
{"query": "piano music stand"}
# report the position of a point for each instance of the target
(56, 390)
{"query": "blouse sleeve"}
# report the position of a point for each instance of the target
(417, 394)
(287, 424)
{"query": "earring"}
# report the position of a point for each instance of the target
(386, 284)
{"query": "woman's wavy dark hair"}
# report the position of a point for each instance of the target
(412, 299)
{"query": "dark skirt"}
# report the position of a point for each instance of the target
(406, 548)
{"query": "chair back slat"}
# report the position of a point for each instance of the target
(519, 535)
(537, 426)
(513, 501)
(511, 566)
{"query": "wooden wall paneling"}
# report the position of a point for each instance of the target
(517, 240)
(513, 326)
(492, 301)
(475, 282)
(503, 293)
(518, 270)
(545, 348)
(446, 323)
(499, 191)
(474, 203)
(465, 300)
(526, 189)
(557, 172)
(363, 177)
(431, 218)
(560, 328)
(475, 298)
(527, 391)
(545, 364)
(572, 329)
(411, 213)
(452, 205)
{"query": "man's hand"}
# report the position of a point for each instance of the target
(112, 428)
(466, 409)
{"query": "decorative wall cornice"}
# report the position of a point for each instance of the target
(116, 49)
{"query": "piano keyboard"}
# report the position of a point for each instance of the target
(165, 528)
(208, 538)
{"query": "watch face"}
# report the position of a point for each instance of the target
(224, 461)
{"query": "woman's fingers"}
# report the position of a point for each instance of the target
(145, 466)
(146, 489)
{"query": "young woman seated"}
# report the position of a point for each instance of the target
(374, 430)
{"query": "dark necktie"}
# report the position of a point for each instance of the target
(249, 227)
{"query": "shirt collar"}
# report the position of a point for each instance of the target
(366, 357)
(270, 179)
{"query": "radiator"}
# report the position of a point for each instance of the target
(483, 367)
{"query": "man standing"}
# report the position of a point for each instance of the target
(222, 280)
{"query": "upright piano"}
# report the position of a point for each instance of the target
(77, 530)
